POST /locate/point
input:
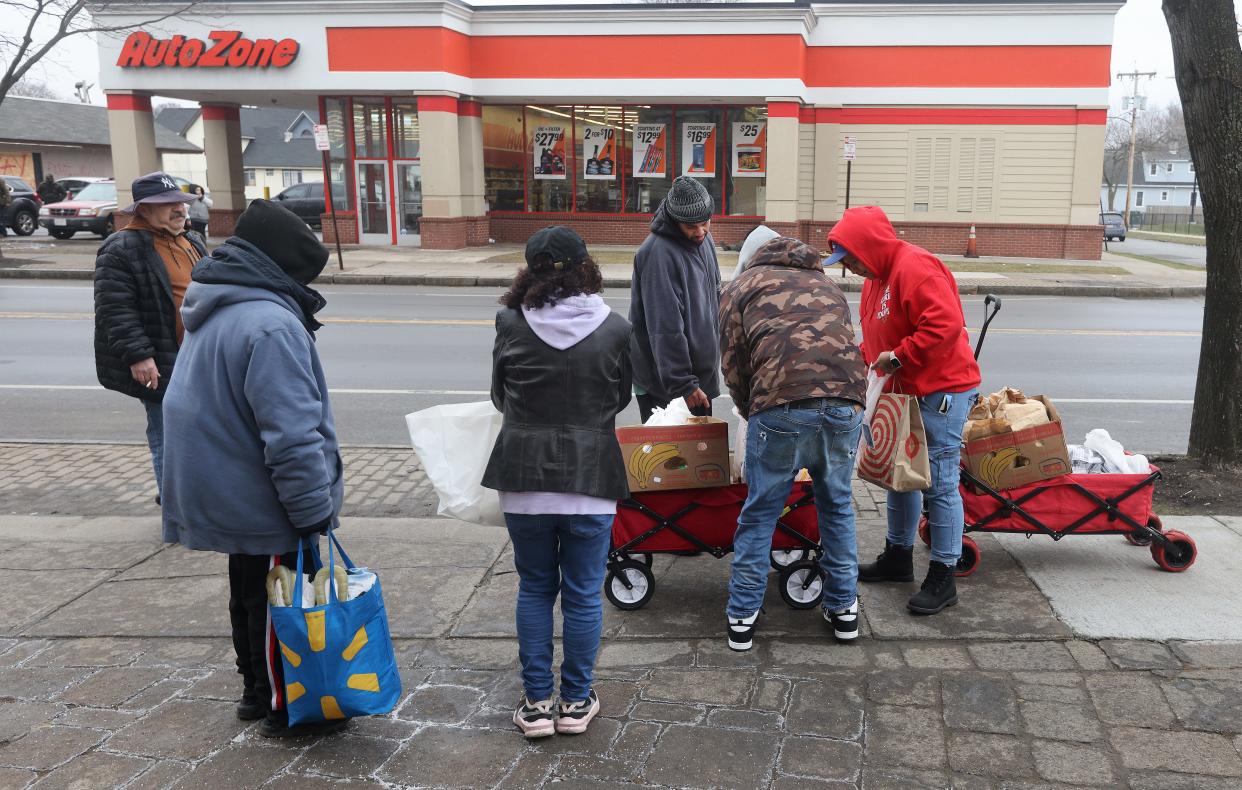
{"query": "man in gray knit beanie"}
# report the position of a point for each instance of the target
(674, 304)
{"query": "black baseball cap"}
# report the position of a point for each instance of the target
(157, 187)
(560, 243)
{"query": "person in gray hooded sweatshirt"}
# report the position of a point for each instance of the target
(251, 461)
(560, 375)
(674, 296)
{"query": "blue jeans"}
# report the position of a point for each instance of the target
(779, 442)
(565, 554)
(155, 440)
(944, 417)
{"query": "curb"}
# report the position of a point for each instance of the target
(488, 281)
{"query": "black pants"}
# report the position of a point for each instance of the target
(199, 225)
(646, 404)
(257, 655)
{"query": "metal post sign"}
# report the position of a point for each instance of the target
(321, 137)
(851, 148)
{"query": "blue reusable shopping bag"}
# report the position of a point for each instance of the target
(338, 658)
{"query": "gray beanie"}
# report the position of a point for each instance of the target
(688, 201)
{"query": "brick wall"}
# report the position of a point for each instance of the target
(1081, 242)
(346, 222)
(222, 222)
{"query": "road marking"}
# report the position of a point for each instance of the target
(482, 393)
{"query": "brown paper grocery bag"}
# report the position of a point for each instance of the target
(896, 459)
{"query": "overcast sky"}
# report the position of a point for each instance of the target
(1141, 42)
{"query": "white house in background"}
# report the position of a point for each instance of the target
(1164, 183)
(278, 147)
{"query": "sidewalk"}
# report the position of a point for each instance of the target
(116, 668)
(493, 266)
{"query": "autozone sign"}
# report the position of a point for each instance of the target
(224, 49)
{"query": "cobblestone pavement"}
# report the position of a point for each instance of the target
(116, 670)
(116, 480)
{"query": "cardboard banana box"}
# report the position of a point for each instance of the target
(676, 456)
(1018, 458)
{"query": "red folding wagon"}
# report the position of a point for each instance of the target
(704, 520)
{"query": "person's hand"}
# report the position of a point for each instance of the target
(698, 400)
(885, 363)
(146, 373)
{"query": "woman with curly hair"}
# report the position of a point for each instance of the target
(560, 376)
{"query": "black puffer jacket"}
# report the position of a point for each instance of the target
(134, 318)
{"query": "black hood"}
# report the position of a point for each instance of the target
(238, 262)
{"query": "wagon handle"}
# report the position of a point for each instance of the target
(991, 306)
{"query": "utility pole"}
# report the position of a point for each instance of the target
(1135, 76)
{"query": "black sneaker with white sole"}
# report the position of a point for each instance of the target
(741, 631)
(536, 719)
(844, 622)
(573, 717)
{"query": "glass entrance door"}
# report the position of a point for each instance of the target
(410, 202)
(374, 203)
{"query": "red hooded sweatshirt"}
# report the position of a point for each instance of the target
(912, 309)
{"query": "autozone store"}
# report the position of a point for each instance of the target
(451, 124)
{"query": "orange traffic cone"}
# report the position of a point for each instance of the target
(971, 250)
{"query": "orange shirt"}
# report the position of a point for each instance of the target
(179, 257)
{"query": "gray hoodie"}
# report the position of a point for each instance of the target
(674, 309)
(250, 449)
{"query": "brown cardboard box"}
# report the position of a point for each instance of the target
(676, 456)
(1017, 458)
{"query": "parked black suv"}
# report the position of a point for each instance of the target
(305, 200)
(23, 212)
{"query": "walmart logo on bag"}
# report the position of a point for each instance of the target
(316, 642)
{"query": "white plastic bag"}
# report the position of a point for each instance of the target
(739, 448)
(875, 388)
(1115, 459)
(676, 413)
(454, 442)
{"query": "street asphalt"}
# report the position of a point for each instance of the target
(1191, 254)
(1124, 365)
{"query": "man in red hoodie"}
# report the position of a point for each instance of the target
(914, 332)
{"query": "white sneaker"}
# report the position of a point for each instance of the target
(575, 716)
(742, 632)
(844, 622)
(536, 719)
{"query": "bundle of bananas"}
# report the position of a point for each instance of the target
(282, 579)
(648, 459)
(996, 463)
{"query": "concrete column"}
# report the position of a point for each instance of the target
(226, 177)
(470, 149)
(828, 185)
(782, 160)
(444, 224)
(1088, 164)
(131, 129)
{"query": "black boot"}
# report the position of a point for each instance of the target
(894, 564)
(938, 591)
(251, 708)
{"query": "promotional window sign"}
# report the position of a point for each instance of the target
(549, 153)
(599, 150)
(650, 151)
(750, 149)
(698, 149)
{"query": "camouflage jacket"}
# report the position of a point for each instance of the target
(785, 332)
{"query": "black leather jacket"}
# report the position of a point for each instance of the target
(560, 408)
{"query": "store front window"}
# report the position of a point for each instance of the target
(622, 159)
(375, 166)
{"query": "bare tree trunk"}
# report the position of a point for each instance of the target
(1207, 61)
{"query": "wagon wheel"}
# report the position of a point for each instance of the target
(802, 584)
(925, 531)
(968, 562)
(1138, 538)
(783, 558)
(629, 585)
(1176, 553)
(645, 557)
